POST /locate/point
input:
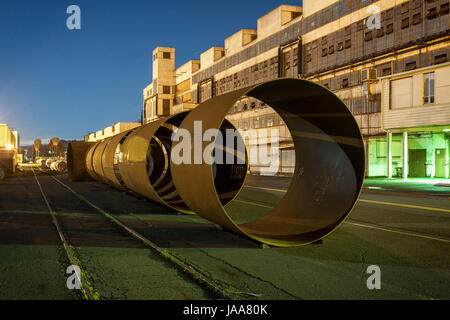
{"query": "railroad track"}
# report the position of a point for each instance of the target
(89, 292)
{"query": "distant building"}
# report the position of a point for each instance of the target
(388, 60)
(110, 131)
(9, 145)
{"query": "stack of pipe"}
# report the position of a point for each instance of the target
(327, 180)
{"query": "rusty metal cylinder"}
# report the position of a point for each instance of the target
(329, 164)
(327, 179)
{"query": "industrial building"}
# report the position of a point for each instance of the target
(388, 60)
(110, 131)
(9, 146)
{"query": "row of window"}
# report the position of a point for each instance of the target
(399, 26)
(364, 105)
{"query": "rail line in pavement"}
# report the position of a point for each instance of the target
(86, 290)
(187, 269)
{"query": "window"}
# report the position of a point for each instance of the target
(368, 36)
(440, 58)
(166, 106)
(386, 71)
(331, 49)
(431, 13)
(428, 88)
(166, 89)
(444, 9)
(348, 43)
(380, 32)
(166, 55)
(389, 28)
(405, 23)
(417, 18)
(344, 83)
(410, 65)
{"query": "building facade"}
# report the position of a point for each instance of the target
(9, 146)
(386, 59)
(110, 131)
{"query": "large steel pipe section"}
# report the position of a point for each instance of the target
(329, 164)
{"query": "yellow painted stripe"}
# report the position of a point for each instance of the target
(412, 234)
(405, 205)
(398, 232)
(373, 201)
(255, 204)
(270, 189)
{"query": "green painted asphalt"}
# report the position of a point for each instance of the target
(29, 272)
(132, 273)
(411, 267)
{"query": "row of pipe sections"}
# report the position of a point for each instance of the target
(327, 179)
(59, 165)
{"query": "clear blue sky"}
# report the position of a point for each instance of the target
(60, 82)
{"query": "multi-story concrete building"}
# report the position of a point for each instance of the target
(386, 59)
(110, 131)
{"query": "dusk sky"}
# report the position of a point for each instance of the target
(60, 82)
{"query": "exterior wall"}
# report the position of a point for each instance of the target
(403, 101)
(331, 44)
(8, 138)
(111, 131)
(8, 148)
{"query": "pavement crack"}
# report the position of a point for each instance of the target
(249, 274)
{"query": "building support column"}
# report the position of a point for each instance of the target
(405, 155)
(389, 154)
(366, 155)
(447, 147)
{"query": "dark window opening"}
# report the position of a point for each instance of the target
(348, 31)
(345, 83)
(348, 43)
(389, 28)
(431, 13)
(387, 71)
(405, 23)
(405, 8)
(340, 46)
(440, 58)
(331, 49)
(380, 32)
(410, 65)
(444, 9)
(308, 58)
(166, 55)
(417, 18)
(324, 52)
(166, 106)
(368, 36)
(166, 89)
(359, 26)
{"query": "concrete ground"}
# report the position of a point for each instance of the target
(404, 232)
